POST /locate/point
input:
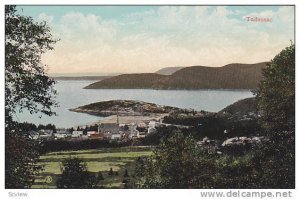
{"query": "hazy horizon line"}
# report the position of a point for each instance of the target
(78, 74)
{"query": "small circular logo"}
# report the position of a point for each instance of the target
(48, 179)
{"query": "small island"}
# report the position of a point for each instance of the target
(126, 108)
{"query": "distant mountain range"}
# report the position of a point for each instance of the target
(168, 70)
(231, 76)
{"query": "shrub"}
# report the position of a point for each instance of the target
(75, 175)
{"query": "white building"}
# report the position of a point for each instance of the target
(109, 127)
(46, 132)
(45, 136)
(60, 135)
(107, 135)
(154, 124)
(89, 133)
(142, 125)
(61, 131)
(116, 136)
(34, 135)
(151, 130)
(133, 134)
(76, 134)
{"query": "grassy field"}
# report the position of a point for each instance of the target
(97, 160)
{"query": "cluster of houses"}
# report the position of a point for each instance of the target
(107, 131)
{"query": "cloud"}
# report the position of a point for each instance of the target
(45, 17)
(82, 27)
(166, 36)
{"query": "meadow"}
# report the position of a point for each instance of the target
(97, 160)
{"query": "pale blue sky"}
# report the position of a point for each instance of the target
(107, 12)
(117, 12)
(147, 38)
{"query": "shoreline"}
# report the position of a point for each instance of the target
(127, 119)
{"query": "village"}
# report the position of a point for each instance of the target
(102, 131)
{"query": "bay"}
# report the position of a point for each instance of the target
(71, 95)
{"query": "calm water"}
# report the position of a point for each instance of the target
(71, 95)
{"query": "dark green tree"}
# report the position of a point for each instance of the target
(276, 92)
(177, 163)
(26, 84)
(139, 169)
(21, 156)
(276, 103)
(27, 87)
(126, 174)
(275, 162)
(75, 175)
(100, 176)
(111, 172)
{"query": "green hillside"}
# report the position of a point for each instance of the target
(242, 107)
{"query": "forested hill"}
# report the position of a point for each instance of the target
(128, 81)
(231, 76)
(242, 109)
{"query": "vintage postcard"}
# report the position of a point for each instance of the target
(150, 97)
